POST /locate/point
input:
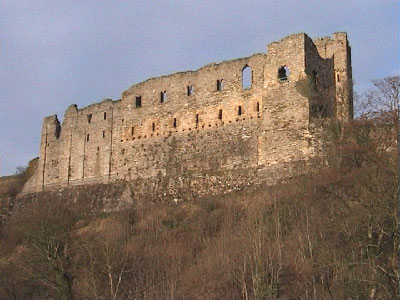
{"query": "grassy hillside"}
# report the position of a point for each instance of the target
(328, 235)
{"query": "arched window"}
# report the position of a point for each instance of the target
(283, 73)
(247, 77)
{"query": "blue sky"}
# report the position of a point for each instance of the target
(57, 53)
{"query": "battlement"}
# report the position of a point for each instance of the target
(233, 122)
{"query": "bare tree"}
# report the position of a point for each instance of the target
(385, 98)
(105, 255)
(45, 231)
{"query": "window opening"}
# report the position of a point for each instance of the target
(315, 74)
(220, 114)
(163, 96)
(138, 101)
(197, 118)
(89, 118)
(338, 78)
(190, 90)
(153, 126)
(239, 110)
(247, 77)
(283, 73)
(87, 137)
(105, 116)
(132, 130)
(220, 85)
(174, 123)
(58, 129)
(258, 107)
(104, 133)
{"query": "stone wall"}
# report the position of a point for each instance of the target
(202, 131)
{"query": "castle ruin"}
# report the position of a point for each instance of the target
(224, 126)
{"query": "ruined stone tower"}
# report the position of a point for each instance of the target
(205, 131)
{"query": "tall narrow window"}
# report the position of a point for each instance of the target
(220, 84)
(174, 123)
(315, 77)
(190, 90)
(197, 119)
(104, 134)
(87, 137)
(220, 114)
(153, 126)
(132, 130)
(247, 77)
(239, 110)
(138, 101)
(258, 107)
(89, 118)
(163, 96)
(105, 115)
(338, 78)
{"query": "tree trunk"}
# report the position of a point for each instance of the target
(64, 281)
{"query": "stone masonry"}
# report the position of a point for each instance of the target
(205, 131)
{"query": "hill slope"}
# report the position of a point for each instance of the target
(328, 235)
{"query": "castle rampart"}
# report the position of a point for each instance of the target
(200, 129)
